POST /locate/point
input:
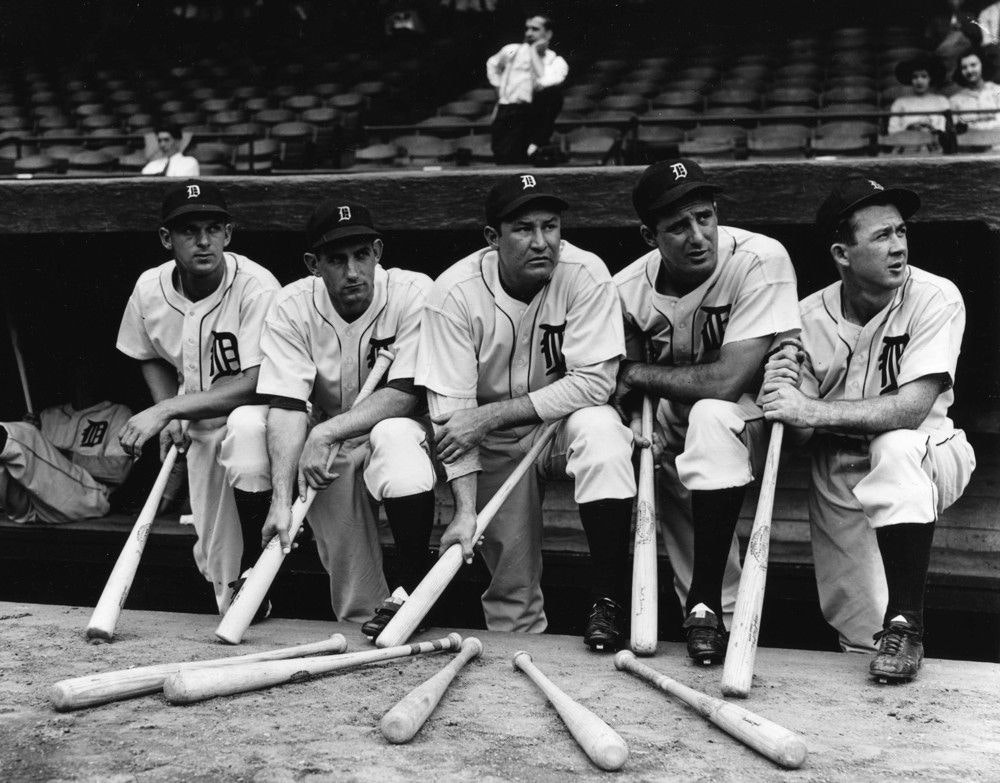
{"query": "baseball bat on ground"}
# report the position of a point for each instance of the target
(737, 673)
(406, 620)
(241, 611)
(94, 689)
(15, 344)
(192, 685)
(782, 746)
(599, 741)
(405, 719)
(105, 616)
(644, 565)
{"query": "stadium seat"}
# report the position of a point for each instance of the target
(672, 99)
(791, 96)
(777, 147)
(481, 95)
(446, 127)
(841, 95)
(326, 122)
(841, 146)
(470, 110)
(137, 121)
(589, 151)
(779, 131)
(211, 152)
(90, 163)
(848, 109)
(738, 99)
(424, 150)
(578, 104)
(61, 153)
(35, 164)
(224, 119)
(132, 163)
(295, 143)
(660, 140)
(643, 88)
(271, 117)
(215, 105)
(909, 142)
(853, 80)
(847, 128)
(257, 156)
(375, 156)
(978, 141)
(631, 104)
(299, 103)
(709, 149)
(202, 94)
(730, 132)
(246, 91)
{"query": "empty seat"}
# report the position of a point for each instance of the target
(299, 103)
(909, 142)
(777, 146)
(731, 132)
(446, 126)
(578, 104)
(589, 151)
(708, 149)
(847, 128)
(35, 164)
(482, 95)
(834, 145)
(660, 136)
(779, 131)
(745, 99)
(216, 105)
(791, 96)
(468, 109)
(271, 117)
(295, 141)
(256, 104)
(257, 156)
(132, 163)
(840, 95)
(89, 163)
(375, 156)
(224, 119)
(95, 121)
(677, 99)
(211, 152)
(976, 141)
(424, 150)
(624, 103)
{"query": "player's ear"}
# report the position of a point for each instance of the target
(492, 236)
(377, 249)
(229, 234)
(311, 260)
(648, 235)
(838, 250)
(165, 238)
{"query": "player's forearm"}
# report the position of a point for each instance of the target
(286, 434)
(905, 410)
(509, 413)
(688, 383)
(225, 396)
(463, 490)
(583, 387)
(386, 403)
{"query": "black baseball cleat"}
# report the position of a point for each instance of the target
(263, 611)
(384, 614)
(706, 636)
(900, 652)
(604, 626)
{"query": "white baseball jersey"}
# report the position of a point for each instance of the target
(478, 342)
(751, 293)
(311, 353)
(918, 335)
(205, 340)
(91, 435)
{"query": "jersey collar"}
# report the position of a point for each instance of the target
(180, 302)
(490, 266)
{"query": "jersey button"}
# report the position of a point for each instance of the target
(521, 362)
(519, 389)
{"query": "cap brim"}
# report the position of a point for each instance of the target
(674, 195)
(347, 232)
(905, 200)
(522, 201)
(195, 209)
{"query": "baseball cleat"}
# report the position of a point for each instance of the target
(384, 614)
(706, 636)
(604, 626)
(900, 652)
(263, 611)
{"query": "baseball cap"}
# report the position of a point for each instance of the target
(857, 191)
(335, 220)
(192, 196)
(665, 183)
(514, 192)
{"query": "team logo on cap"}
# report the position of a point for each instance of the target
(875, 185)
(193, 191)
(679, 170)
(345, 214)
(527, 181)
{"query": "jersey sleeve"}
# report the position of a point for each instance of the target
(253, 311)
(287, 368)
(594, 328)
(133, 339)
(404, 366)
(447, 361)
(934, 343)
(767, 302)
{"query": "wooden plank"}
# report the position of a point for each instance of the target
(953, 188)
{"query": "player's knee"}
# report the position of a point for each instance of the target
(711, 414)
(396, 433)
(247, 423)
(243, 452)
(898, 445)
(597, 432)
(400, 464)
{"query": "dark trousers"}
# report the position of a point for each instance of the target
(511, 131)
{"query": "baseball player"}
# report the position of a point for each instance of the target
(319, 344)
(529, 330)
(65, 469)
(194, 323)
(880, 349)
(712, 300)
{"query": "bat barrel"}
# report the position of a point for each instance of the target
(644, 565)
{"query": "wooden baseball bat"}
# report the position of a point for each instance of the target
(15, 344)
(192, 685)
(423, 597)
(405, 719)
(109, 606)
(779, 744)
(94, 689)
(644, 565)
(599, 741)
(241, 611)
(737, 673)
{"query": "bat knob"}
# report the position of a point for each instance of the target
(455, 640)
(517, 655)
(622, 657)
(472, 643)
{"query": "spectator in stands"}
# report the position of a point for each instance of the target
(169, 160)
(953, 33)
(989, 23)
(528, 77)
(922, 72)
(976, 94)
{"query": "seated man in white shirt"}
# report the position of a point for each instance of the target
(170, 161)
(527, 76)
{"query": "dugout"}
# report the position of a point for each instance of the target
(72, 249)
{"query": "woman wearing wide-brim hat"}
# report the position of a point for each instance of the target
(923, 73)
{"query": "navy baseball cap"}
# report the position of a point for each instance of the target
(192, 197)
(665, 183)
(514, 192)
(333, 220)
(857, 191)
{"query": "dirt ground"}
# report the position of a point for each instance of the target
(492, 725)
